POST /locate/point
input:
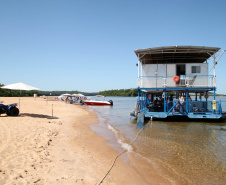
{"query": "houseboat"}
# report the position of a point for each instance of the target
(169, 76)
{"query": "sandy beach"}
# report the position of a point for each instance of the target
(38, 148)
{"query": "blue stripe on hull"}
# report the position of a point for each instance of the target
(189, 115)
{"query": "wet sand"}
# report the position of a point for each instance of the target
(38, 148)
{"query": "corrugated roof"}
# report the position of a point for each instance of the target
(175, 54)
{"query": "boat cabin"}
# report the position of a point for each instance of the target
(169, 76)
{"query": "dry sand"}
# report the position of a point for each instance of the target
(36, 148)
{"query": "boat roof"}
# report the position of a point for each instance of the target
(177, 89)
(175, 54)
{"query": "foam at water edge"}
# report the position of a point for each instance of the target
(124, 145)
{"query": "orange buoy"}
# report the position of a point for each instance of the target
(176, 78)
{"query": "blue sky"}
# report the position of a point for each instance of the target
(89, 45)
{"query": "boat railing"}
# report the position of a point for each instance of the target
(205, 107)
(177, 106)
(142, 104)
(184, 81)
(197, 107)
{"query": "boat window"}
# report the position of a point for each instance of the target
(195, 69)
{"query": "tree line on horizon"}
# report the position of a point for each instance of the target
(58, 93)
(17, 93)
(120, 92)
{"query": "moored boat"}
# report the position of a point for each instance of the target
(169, 76)
(98, 102)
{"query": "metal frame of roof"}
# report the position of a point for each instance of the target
(177, 89)
(175, 54)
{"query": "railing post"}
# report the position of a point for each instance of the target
(164, 85)
(214, 81)
(187, 100)
(186, 81)
(165, 100)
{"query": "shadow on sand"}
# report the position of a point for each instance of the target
(38, 116)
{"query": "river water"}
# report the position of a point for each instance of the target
(185, 152)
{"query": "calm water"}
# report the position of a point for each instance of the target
(187, 152)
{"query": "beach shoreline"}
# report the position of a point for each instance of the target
(51, 142)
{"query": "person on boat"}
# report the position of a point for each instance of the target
(157, 102)
(181, 99)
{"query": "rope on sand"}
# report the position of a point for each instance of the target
(122, 153)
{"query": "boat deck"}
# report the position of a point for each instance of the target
(192, 110)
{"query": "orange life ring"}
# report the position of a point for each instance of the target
(176, 78)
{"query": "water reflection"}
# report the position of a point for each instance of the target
(193, 151)
(189, 152)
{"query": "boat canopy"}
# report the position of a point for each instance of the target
(175, 54)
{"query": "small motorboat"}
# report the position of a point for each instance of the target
(97, 102)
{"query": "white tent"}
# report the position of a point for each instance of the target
(78, 95)
(20, 86)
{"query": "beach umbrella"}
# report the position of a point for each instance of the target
(63, 96)
(80, 94)
(74, 95)
(20, 86)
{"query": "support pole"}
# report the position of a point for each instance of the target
(165, 100)
(138, 78)
(214, 63)
(141, 98)
(19, 99)
(187, 100)
(52, 111)
(138, 99)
